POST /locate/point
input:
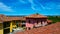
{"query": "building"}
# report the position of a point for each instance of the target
(7, 24)
(35, 20)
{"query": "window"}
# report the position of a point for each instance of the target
(29, 21)
(37, 22)
(6, 24)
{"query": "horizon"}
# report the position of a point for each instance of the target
(27, 7)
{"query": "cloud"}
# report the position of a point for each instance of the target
(23, 1)
(35, 6)
(32, 4)
(3, 7)
(42, 6)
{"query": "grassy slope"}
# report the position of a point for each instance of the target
(54, 18)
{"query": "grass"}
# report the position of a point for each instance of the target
(54, 18)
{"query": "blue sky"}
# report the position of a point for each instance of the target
(26, 7)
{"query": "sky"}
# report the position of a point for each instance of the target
(27, 7)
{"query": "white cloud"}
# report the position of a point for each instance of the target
(33, 5)
(3, 7)
(22, 1)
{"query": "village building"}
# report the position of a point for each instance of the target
(35, 20)
(8, 24)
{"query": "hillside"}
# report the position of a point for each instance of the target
(54, 18)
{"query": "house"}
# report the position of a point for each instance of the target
(7, 24)
(35, 20)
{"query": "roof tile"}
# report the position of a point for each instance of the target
(50, 29)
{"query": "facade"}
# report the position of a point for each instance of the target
(1, 28)
(7, 24)
(35, 20)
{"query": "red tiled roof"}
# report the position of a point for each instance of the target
(49, 21)
(17, 18)
(36, 16)
(2, 17)
(50, 29)
(5, 18)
